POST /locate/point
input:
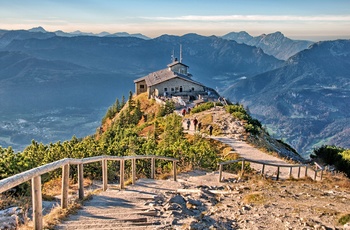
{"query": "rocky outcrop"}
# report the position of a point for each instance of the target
(11, 218)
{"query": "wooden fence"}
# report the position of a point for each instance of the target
(35, 176)
(278, 166)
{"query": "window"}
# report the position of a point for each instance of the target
(192, 88)
(172, 89)
(142, 86)
(165, 89)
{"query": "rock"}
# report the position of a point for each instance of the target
(10, 218)
(246, 208)
(174, 206)
(9, 222)
(194, 202)
(347, 226)
(178, 199)
(175, 221)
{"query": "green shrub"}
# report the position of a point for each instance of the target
(334, 155)
(252, 126)
(202, 107)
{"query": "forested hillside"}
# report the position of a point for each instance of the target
(129, 129)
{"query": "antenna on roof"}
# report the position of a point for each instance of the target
(180, 53)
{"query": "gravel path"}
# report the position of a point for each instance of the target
(249, 152)
(167, 204)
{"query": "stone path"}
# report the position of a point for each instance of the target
(247, 151)
(123, 209)
(135, 207)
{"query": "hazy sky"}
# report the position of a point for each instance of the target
(298, 19)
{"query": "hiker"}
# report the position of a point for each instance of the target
(195, 122)
(188, 110)
(183, 112)
(199, 126)
(210, 130)
(188, 124)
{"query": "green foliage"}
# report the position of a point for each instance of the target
(252, 126)
(202, 107)
(113, 110)
(346, 155)
(165, 138)
(168, 108)
(344, 219)
(334, 155)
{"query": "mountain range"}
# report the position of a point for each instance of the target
(306, 101)
(54, 85)
(73, 80)
(275, 44)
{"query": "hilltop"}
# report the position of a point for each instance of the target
(224, 123)
(244, 201)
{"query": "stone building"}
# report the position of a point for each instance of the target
(172, 81)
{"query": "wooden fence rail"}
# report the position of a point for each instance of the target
(35, 176)
(278, 166)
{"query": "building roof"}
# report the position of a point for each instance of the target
(175, 63)
(163, 75)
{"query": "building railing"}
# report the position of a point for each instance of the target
(278, 166)
(35, 176)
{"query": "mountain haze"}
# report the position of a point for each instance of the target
(54, 87)
(307, 100)
(275, 44)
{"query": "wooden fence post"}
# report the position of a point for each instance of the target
(321, 174)
(315, 175)
(242, 169)
(37, 203)
(306, 171)
(299, 172)
(290, 171)
(81, 181)
(174, 170)
(121, 174)
(65, 186)
(278, 173)
(220, 172)
(152, 167)
(133, 169)
(104, 175)
(263, 169)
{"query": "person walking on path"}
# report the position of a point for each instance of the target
(183, 112)
(195, 122)
(188, 124)
(199, 126)
(210, 127)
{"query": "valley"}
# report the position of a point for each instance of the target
(298, 89)
(49, 126)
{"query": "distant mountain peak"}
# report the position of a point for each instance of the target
(37, 29)
(275, 44)
(104, 33)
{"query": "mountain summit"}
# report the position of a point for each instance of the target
(275, 44)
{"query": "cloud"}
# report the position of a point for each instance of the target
(223, 18)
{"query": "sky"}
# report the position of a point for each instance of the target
(298, 19)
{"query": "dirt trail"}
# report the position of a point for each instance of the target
(249, 152)
(145, 205)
